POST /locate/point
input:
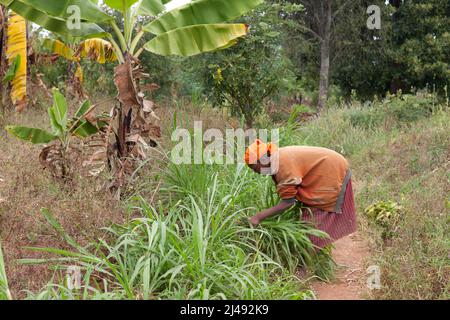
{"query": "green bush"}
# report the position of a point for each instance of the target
(245, 76)
(398, 110)
(386, 215)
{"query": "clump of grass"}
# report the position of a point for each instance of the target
(286, 240)
(323, 265)
(191, 250)
(195, 244)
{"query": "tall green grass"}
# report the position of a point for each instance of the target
(4, 288)
(195, 243)
(197, 246)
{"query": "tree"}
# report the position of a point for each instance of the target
(420, 45)
(243, 76)
(409, 52)
(187, 30)
(318, 20)
(361, 55)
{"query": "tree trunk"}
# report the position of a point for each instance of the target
(325, 56)
(134, 119)
(128, 97)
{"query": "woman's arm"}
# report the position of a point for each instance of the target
(279, 208)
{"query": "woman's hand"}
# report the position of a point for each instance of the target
(255, 220)
(279, 208)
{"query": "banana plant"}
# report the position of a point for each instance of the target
(63, 128)
(96, 49)
(15, 49)
(196, 27)
(82, 125)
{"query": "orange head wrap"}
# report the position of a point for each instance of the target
(257, 149)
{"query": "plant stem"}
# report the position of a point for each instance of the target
(138, 53)
(126, 24)
(136, 40)
(117, 49)
(120, 36)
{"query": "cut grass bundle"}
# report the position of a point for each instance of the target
(286, 240)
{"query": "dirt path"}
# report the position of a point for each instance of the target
(350, 254)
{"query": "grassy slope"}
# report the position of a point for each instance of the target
(406, 163)
(25, 188)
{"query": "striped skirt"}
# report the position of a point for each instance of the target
(336, 225)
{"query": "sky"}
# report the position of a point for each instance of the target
(176, 3)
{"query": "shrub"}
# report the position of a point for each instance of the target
(385, 214)
(398, 110)
(256, 69)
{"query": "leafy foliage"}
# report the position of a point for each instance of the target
(407, 53)
(395, 110)
(385, 214)
(255, 69)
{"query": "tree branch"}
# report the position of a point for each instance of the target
(338, 10)
(315, 34)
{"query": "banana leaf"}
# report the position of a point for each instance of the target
(56, 25)
(120, 4)
(59, 8)
(192, 40)
(201, 12)
(152, 7)
(33, 135)
(59, 108)
(16, 46)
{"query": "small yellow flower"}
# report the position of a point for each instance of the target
(218, 75)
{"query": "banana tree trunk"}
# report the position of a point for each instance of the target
(129, 100)
(138, 126)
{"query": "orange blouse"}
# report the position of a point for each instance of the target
(315, 176)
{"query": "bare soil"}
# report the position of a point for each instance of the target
(350, 254)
